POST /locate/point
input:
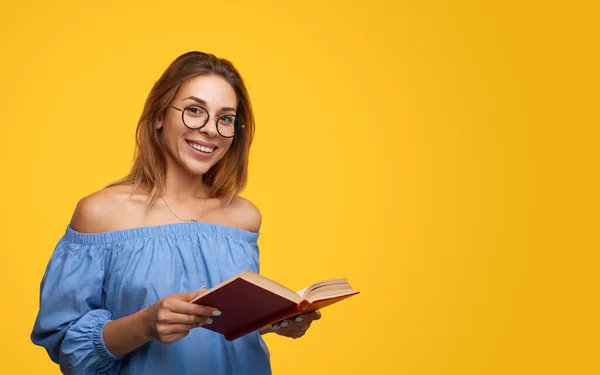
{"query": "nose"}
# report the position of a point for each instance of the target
(210, 128)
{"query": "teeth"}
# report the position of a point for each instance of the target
(201, 148)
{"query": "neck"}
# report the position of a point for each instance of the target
(181, 185)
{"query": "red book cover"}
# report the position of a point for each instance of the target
(245, 307)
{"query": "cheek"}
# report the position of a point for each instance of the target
(172, 134)
(226, 146)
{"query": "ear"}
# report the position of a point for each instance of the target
(158, 125)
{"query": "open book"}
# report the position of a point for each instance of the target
(250, 301)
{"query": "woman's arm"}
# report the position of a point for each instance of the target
(168, 320)
(122, 336)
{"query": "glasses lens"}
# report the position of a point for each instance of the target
(195, 117)
(227, 125)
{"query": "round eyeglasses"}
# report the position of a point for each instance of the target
(195, 117)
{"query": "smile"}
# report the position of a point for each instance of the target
(201, 148)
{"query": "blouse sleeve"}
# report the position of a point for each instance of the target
(70, 321)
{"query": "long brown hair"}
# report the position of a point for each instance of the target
(225, 179)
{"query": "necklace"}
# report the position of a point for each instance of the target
(174, 214)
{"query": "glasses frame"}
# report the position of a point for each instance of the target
(236, 127)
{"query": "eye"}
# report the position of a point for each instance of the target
(227, 119)
(195, 111)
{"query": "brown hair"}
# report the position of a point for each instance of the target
(225, 179)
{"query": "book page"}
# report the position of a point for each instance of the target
(326, 289)
(301, 293)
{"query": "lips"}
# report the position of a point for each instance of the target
(203, 147)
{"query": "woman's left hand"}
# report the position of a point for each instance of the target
(295, 327)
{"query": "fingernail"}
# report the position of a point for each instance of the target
(276, 326)
(298, 319)
(209, 321)
(284, 324)
(199, 324)
(216, 313)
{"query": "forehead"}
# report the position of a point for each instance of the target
(212, 89)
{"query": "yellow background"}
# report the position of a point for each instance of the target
(439, 154)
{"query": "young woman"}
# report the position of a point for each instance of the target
(115, 292)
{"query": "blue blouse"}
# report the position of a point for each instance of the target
(94, 278)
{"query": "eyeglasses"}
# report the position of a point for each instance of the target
(195, 117)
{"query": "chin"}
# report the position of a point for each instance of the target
(200, 167)
(197, 169)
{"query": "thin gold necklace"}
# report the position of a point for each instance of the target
(174, 214)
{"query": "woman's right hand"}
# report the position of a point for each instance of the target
(172, 317)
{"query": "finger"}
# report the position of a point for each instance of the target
(168, 339)
(294, 335)
(303, 320)
(309, 317)
(179, 306)
(291, 326)
(300, 327)
(188, 296)
(177, 318)
(315, 315)
(172, 329)
(290, 332)
(281, 325)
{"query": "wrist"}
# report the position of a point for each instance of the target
(144, 328)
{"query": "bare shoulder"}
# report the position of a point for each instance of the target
(104, 210)
(244, 214)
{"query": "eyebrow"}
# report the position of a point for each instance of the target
(196, 99)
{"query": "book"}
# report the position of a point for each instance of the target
(249, 301)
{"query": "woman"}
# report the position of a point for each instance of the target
(115, 292)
